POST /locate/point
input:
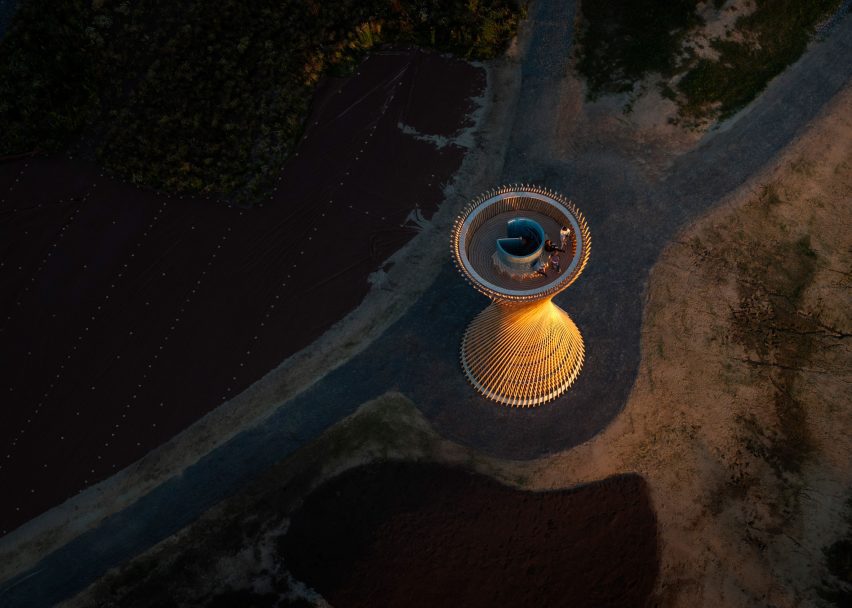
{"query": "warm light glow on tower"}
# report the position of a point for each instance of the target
(522, 350)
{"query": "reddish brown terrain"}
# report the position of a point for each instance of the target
(125, 315)
(406, 534)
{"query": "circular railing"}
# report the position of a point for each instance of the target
(487, 214)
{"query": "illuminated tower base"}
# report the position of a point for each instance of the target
(522, 354)
(520, 246)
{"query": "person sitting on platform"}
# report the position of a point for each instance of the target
(549, 247)
(552, 262)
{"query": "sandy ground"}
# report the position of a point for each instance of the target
(740, 418)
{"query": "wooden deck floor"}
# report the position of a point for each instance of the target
(482, 245)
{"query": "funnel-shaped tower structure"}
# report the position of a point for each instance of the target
(520, 246)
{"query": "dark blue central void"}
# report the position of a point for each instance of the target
(526, 236)
(521, 250)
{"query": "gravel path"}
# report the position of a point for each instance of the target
(631, 219)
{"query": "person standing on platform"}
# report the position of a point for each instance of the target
(554, 262)
(563, 235)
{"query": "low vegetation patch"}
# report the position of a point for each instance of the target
(759, 47)
(205, 96)
(621, 43)
(778, 336)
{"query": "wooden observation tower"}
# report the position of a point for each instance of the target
(520, 245)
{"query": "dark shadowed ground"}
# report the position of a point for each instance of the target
(405, 534)
(7, 11)
(127, 315)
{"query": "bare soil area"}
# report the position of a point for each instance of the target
(127, 315)
(406, 534)
(380, 510)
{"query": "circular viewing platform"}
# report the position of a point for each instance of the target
(520, 246)
(486, 222)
